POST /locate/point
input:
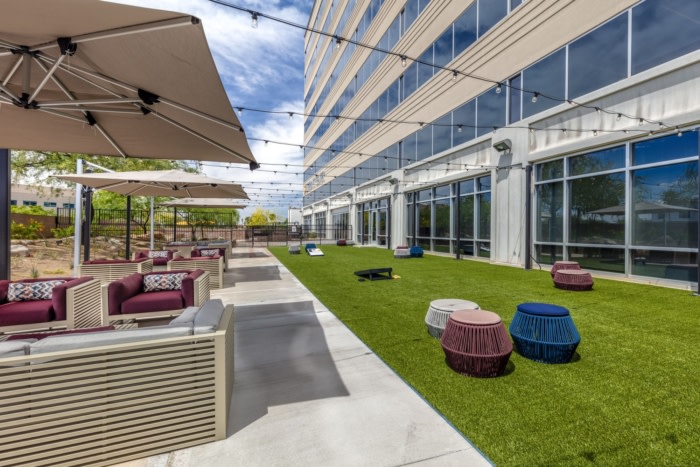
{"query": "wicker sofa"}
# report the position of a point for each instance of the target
(108, 397)
(108, 270)
(73, 302)
(154, 294)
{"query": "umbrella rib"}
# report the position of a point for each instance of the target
(211, 118)
(202, 137)
(146, 27)
(49, 74)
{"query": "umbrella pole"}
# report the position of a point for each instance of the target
(128, 228)
(5, 218)
(77, 217)
(88, 222)
(152, 224)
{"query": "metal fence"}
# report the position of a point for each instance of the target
(170, 226)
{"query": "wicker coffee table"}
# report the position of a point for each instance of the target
(572, 279)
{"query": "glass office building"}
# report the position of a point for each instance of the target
(515, 131)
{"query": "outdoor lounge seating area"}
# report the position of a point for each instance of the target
(153, 295)
(159, 257)
(212, 264)
(100, 398)
(49, 303)
(108, 270)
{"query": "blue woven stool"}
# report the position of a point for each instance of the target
(544, 333)
(416, 252)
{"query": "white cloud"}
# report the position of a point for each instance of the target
(260, 68)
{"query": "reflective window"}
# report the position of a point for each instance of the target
(410, 80)
(663, 30)
(424, 219)
(442, 218)
(408, 148)
(443, 191)
(443, 48)
(550, 170)
(466, 186)
(442, 134)
(425, 68)
(600, 161)
(544, 77)
(515, 99)
(424, 142)
(465, 29)
(599, 258)
(483, 183)
(550, 212)
(491, 111)
(464, 121)
(666, 148)
(594, 211)
(665, 206)
(665, 264)
(606, 47)
(466, 217)
(490, 13)
(484, 200)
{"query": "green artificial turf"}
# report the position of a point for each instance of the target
(630, 397)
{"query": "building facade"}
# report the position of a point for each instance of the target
(46, 197)
(517, 131)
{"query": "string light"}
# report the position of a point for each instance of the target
(254, 18)
(498, 88)
(454, 75)
(404, 58)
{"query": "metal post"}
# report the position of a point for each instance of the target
(528, 217)
(153, 223)
(77, 220)
(458, 231)
(87, 191)
(5, 217)
(128, 228)
(174, 224)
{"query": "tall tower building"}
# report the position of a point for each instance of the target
(520, 132)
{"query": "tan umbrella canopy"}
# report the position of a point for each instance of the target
(88, 76)
(204, 203)
(174, 183)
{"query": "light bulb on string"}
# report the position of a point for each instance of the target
(254, 18)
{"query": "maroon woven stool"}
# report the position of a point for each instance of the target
(571, 279)
(476, 343)
(564, 265)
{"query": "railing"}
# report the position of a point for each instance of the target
(201, 225)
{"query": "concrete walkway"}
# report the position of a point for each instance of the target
(308, 392)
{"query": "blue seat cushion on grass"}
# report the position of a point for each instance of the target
(543, 309)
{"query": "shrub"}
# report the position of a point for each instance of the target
(63, 232)
(26, 232)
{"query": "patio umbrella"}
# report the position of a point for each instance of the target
(174, 183)
(204, 203)
(87, 76)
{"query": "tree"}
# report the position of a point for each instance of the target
(261, 217)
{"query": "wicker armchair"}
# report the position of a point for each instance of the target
(72, 302)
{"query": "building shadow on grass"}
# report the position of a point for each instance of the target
(281, 357)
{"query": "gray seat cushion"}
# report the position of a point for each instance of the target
(208, 317)
(96, 339)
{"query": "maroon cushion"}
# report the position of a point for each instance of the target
(41, 335)
(153, 301)
(35, 311)
(4, 285)
(122, 289)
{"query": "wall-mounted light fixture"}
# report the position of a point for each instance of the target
(393, 181)
(503, 145)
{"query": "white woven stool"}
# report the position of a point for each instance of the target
(440, 310)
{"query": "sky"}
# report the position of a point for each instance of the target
(261, 68)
